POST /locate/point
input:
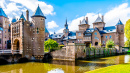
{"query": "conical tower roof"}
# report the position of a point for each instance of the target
(14, 20)
(98, 20)
(119, 22)
(22, 17)
(2, 13)
(38, 13)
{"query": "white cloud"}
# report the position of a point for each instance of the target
(52, 24)
(32, 5)
(111, 17)
(60, 31)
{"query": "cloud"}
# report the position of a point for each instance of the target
(111, 17)
(32, 5)
(60, 31)
(52, 24)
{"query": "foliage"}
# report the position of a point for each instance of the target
(50, 44)
(100, 44)
(109, 43)
(60, 46)
(127, 29)
(127, 43)
(90, 45)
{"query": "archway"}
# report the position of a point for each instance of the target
(16, 45)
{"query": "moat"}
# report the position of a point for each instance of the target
(55, 66)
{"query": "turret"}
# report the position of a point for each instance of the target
(99, 23)
(22, 17)
(120, 27)
(66, 30)
(84, 24)
(27, 15)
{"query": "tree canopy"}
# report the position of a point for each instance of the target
(109, 43)
(50, 44)
(127, 29)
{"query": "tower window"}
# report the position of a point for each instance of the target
(79, 34)
(110, 36)
(121, 30)
(0, 41)
(5, 42)
(106, 37)
(95, 33)
(37, 30)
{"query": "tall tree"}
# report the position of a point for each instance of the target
(127, 32)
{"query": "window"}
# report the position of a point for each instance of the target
(37, 30)
(0, 41)
(96, 38)
(5, 42)
(80, 40)
(121, 30)
(79, 34)
(59, 35)
(106, 37)
(0, 31)
(103, 42)
(110, 36)
(95, 33)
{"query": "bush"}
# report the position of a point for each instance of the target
(60, 46)
(109, 43)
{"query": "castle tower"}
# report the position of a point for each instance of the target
(66, 30)
(4, 27)
(84, 24)
(120, 32)
(99, 23)
(38, 19)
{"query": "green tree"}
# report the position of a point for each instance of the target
(127, 43)
(127, 29)
(127, 33)
(109, 43)
(50, 45)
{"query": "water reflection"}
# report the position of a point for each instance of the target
(57, 66)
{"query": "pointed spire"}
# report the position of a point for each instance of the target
(38, 13)
(98, 19)
(22, 17)
(119, 22)
(84, 21)
(54, 32)
(2, 13)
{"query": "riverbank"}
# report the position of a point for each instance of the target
(121, 68)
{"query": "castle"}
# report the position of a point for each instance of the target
(23, 34)
(96, 36)
(29, 36)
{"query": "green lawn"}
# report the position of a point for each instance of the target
(121, 68)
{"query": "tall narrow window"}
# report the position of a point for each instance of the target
(37, 30)
(0, 41)
(5, 42)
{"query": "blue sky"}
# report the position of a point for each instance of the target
(57, 11)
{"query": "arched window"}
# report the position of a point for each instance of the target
(37, 30)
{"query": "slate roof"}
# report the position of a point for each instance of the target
(84, 22)
(2, 13)
(54, 36)
(71, 35)
(22, 17)
(98, 19)
(119, 22)
(38, 13)
(108, 29)
(14, 20)
(46, 31)
(1, 28)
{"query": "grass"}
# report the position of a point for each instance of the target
(121, 68)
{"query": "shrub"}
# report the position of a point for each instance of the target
(109, 43)
(60, 46)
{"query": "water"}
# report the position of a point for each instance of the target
(56, 66)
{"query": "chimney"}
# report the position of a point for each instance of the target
(80, 21)
(102, 18)
(87, 19)
(27, 15)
